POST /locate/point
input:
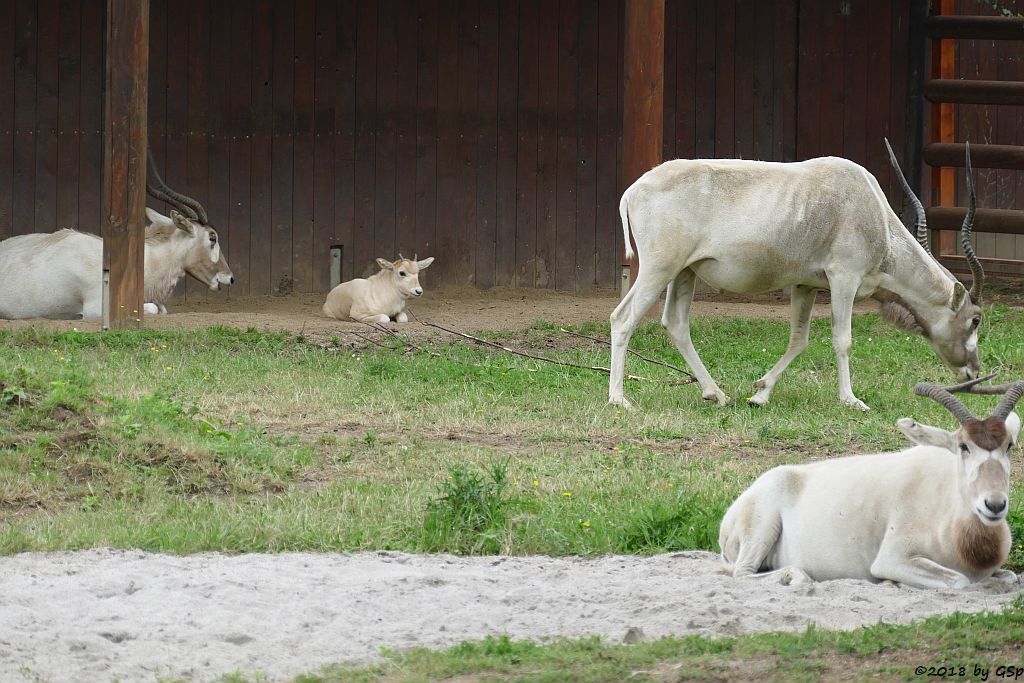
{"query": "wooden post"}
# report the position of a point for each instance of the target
(943, 127)
(124, 161)
(643, 104)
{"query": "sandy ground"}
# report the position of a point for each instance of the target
(102, 614)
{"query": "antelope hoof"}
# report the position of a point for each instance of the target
(760, 398)
(1005, 577)
(855, 402)
(794, 577)
(717, 396)
(621, 402)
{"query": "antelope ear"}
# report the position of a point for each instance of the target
(900, 316)
(425, 263)
(1013, 426)
(926, 435)
(959, 297)
(385, 265)
(181, 222)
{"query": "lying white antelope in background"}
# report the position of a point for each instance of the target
(379, 298)
(931, 516)
(755, 226)
(60, 275)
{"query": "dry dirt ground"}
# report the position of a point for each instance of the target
(464, 308)
(102, 614)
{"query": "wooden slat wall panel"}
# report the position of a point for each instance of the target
(484, 133)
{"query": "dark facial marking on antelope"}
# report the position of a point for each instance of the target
(989, 433)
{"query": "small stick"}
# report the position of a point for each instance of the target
(638, 355)
(567, 364)
(408, 344)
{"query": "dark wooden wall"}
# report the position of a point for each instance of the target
(485, 133)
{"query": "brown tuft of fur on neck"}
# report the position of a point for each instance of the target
(989, 433)
(982, 546)
(896, 311)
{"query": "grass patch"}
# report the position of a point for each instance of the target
(239, 440)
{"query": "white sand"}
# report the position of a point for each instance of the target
(102, 614)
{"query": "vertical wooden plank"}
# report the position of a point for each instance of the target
(744, 88)
(526, 170)
(898, 56)
(942, 123)
(302, 155)
(508, 134)
(567, 191)
(90, 169)
(174, 165)
(763, 84)
(365, 140)
(282, 166)
(157, 100)
(832, 71)
(855, 79)
(879, 93)
(344, 134)
(1007, 54)
(124, 153)
(547, 143)
(47, 45)
(466, 146)
(668, 126)
(7, 33)
(406, 26)
(809, 71)
(25, 69)
(487, 146)
(324, 235)
(69, 85)
(786, 55)
(386, 126)
(706, 80)
(443, 270)
(426, 130)
(685, 78)
(609, 232)
(218, 190)
(240, 131)
(586, 145)
(261, 220)
(725, 79)
(197, 146)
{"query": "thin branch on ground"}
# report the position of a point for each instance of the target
(655, 361)
(484, 342)
(401, 340)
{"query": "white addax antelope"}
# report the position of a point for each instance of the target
(60, 275)
(755, 226)
(931, 516)
(379, 298)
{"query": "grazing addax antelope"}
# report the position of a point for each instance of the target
(755, 226)
(931, 516)
(379, 298)
(60, 275)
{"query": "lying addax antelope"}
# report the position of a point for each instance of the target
(755, 226)
(931, 516)
(379, 298)
(60, 274)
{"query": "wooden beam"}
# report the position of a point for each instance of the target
(943, 124)
(124, 161)
(976, 28)
(982, 156)
(1003, 221)
(643, 105)
(949, 89)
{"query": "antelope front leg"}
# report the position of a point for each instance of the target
(676, 320)
(919, 572)
(624, 319)
(801, 303)
(843, 294)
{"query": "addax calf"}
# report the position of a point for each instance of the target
(379, 298)
(931, 516)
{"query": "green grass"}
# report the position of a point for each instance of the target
(221, 439)
(881, 652)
